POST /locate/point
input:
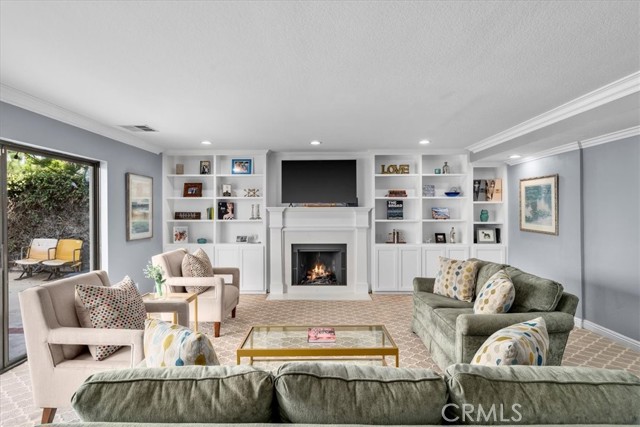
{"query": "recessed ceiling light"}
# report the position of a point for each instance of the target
(514, 156)
(424, 142)
(206, 143)
(315, 142)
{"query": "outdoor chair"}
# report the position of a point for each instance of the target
(36, 252)
(68, 254)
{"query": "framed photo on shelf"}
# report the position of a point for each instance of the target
(539, 204)
(180, 234)
(440, 213)
(205, 167)
(241, 166)
(486, 235)
(139, 206)
(242, 239)
(441, 238)
(192, 189)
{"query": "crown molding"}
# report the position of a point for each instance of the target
(610, 137)
(546, 153)
(611, 92)
(21, 99)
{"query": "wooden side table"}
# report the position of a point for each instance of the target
(175, 298)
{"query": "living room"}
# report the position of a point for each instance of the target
(412, 97)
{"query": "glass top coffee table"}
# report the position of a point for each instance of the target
(361, 342)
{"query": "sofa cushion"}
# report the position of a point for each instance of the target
(496, 296)
(197, 265)
(486, 269)
(439, 301)
(525, 343)
(542, 395)
(116, 307)
(330, 393)
(533, 293)
(456, 279)
(190, 394)
(166, 344)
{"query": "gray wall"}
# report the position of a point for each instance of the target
(601, 266)
(125, 258)
(612, 236)
(554, 257)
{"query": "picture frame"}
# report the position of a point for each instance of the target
(139, 206)
(180, 234)
(241, 166)
(486, 235)
(440, 213)
(441, 238)
(242, 239)
(192, 189)
(539, 204)
(205, 167)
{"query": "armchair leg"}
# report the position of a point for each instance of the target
(216, 329)
(48, 414)
(233, 313)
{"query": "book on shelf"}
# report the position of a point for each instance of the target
(321, 335)
(397, 193)
(479, 190)
(395, 209)
(226, 210)
(494, 190)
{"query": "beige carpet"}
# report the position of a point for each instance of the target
(394, 311)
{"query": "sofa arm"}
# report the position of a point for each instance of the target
(486, 324)
(229, 271)
(423, 284)
(92, 336)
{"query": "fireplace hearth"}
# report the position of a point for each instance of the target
(318, 264)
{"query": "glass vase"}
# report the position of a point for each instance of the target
(160, 292)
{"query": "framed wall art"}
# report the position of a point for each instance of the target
(539, 204)
(139, 206)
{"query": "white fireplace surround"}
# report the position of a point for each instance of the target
(289, 226)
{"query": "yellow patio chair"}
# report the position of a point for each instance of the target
(36, 252)
(68, 254)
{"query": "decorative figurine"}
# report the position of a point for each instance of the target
(446, 168)
(484, 215)
(452, 235)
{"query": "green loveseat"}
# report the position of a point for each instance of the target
(453, 334)
(314, 393)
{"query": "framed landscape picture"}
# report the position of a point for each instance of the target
(139, 206)
(539, 204)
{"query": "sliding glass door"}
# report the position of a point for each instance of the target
(49, 213)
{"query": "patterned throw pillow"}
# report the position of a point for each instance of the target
(166, 344)
(197, 265)
(496, 296)
(456, 279)
(525, 343)
(116, 307)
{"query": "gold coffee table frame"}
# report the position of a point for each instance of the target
(290, 342)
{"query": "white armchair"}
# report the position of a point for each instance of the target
(215, 303)
(59, 359)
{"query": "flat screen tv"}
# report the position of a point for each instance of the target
(319, 181)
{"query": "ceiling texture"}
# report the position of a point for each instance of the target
(492, 77)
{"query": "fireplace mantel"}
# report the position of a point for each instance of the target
(348, 225)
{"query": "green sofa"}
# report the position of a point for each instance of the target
(453, 334)
(313, 393)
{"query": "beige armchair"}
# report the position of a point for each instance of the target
(59, 359)
(215, 303)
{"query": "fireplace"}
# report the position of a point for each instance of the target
(319, 264)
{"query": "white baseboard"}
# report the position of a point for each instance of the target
(578, 322)
(608, 333)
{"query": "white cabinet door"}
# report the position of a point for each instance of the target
(409, 259)
(227, 256)
(252, 269)
(490, 253)
(458, 252)
(430, 263)
(386, 269)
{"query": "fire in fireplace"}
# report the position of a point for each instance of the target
(319, 264)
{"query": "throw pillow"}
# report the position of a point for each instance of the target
(456, 279)
(166, 344)
(496, 296)
(197, 265)
(525, 343)
(116, 307)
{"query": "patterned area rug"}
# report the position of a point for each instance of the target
(394, 311)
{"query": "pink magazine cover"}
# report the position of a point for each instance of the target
(321, 335)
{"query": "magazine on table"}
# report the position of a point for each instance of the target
(321, 335)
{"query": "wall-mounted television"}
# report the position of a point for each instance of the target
(320, 181)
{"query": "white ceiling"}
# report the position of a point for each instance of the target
(356, 75)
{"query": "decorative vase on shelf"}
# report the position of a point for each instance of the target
(446, 168)
(160, 290)
(484, 215)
